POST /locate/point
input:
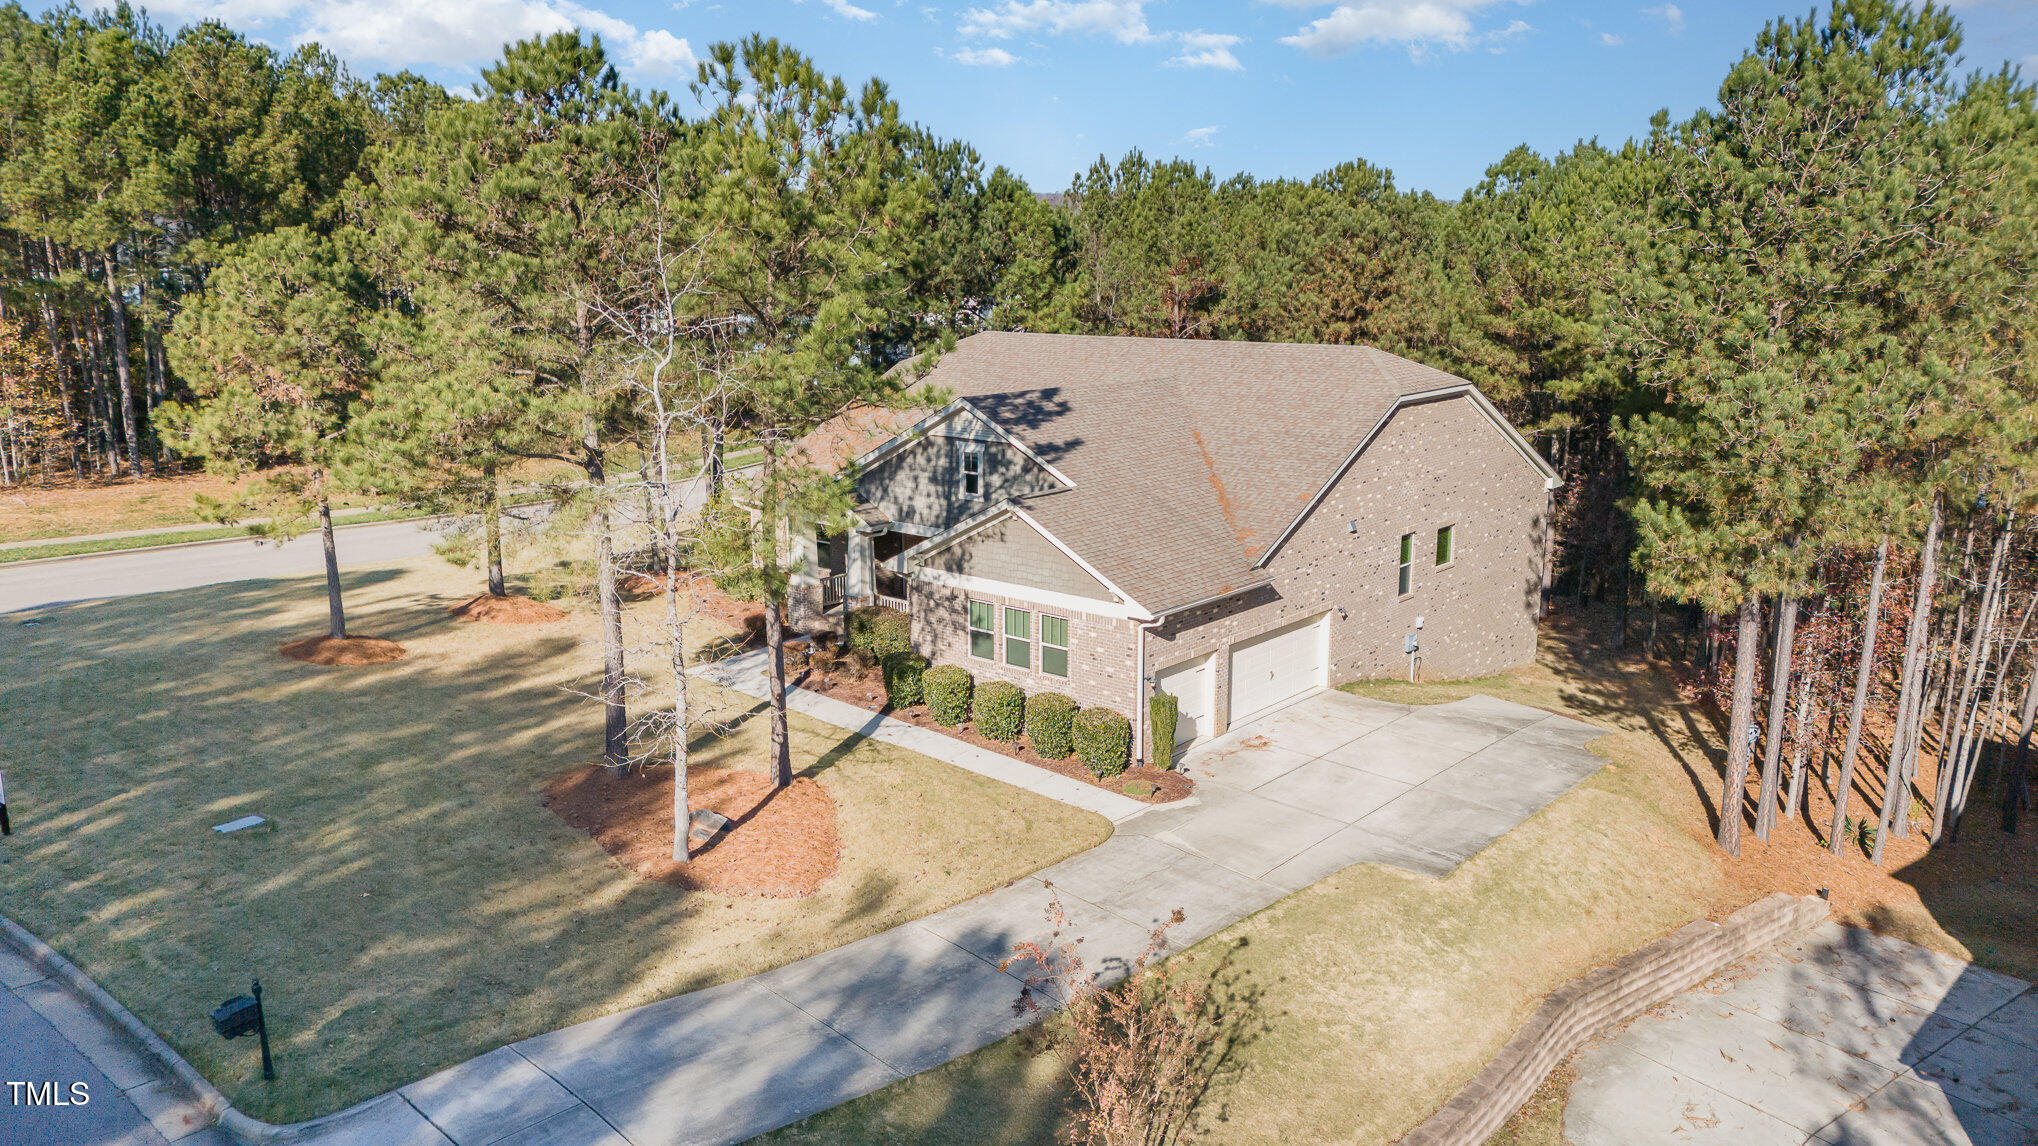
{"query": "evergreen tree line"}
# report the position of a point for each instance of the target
(1780, 350)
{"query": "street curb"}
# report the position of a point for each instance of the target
(237, 1126)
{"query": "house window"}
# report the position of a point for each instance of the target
(972, 463)
(1018, 638)
(1444, 543)
(1407, 573)
(1054, 645)
(824, 553)
(981, 642)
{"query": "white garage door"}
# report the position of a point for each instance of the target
(1190, 685)
(1268, 670)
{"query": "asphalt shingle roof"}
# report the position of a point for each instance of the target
(1189, 458)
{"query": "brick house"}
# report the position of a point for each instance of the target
(1234, 523)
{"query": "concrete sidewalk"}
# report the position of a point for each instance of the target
(734, 1061)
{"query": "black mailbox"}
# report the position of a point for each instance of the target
(237, 1016)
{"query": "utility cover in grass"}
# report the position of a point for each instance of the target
(344, 651)
(779, 844)
(506, 610)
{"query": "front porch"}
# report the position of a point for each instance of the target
(866, 566)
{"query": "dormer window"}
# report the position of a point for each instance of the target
(971, 459)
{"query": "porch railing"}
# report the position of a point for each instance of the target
(832, 591)
(891, 590)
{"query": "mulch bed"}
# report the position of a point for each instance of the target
(867, 691)
(745, 617)
(779, 844)
(506, 610)
(343, 651)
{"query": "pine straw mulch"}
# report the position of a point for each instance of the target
(746, 618)
(1795, 859)
(496, 610)
(345, 652)
(867, 691)
(779, 845)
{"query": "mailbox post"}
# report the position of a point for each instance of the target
(240, 1015)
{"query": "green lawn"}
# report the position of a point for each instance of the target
(414, 905)
(1382, 992)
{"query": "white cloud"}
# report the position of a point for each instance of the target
(1123, 20)
(984, 57)
(446, 33)
(1609, 39)
(846, 10)
(1415, 24)
(1671, 15)
(1202, 49)
(1201, 136)
(659, 52)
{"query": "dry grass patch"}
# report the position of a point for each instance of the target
(416, 904)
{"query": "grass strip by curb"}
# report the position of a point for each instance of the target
(178, 537)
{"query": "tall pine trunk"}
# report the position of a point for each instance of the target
(615, 708)
(2013, 794)
(675, 632)
(491, 515)
(1977, 663)
(1798, 746)
(1863, 677)
(1747, 650)
(1911, 678)
(774, 635)
(336, 613)
(1779, 697)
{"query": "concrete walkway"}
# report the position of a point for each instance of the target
(733, 1061)
(1844, 1037)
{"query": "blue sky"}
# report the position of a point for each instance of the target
(1433, 89)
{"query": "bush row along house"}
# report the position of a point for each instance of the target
(1237, 524)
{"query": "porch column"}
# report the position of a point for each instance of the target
(861, 583)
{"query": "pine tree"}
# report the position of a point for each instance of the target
(278, 353)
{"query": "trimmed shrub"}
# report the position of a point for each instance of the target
(999, 710)
(877, 632)
(948, 689)
(1050, 724)
(1103, 738)
(903, 672)
(1166, 712)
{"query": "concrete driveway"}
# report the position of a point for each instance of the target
(1334, 779)
(1843, 1037)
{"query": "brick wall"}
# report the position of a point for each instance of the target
(1583, 1007)
(1101, 671)
(1434, 464)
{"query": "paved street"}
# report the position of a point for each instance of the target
(48, 1037)
(34, 584)
(1842, 1037)
(776, 1047)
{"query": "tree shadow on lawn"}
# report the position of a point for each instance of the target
(410, 904)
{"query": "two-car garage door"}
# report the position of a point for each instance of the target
(1269, 669)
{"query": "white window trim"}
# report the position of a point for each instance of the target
(1405, 568)
(1040, 620)
(1005, 638)
(967, 452)
(970, 631)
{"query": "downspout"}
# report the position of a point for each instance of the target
(1139, 701)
